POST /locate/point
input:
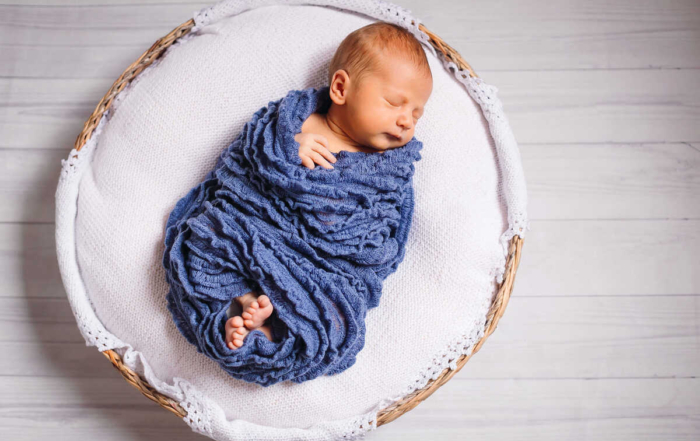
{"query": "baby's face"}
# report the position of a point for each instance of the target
(384, 109)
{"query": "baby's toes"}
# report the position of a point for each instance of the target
(238, 336)
(235, 332)
(229, 341)
(263, 300)
(229, 338)
(233, 322)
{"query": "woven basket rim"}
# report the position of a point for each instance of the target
(409, 401)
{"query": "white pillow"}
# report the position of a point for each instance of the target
(165, 132)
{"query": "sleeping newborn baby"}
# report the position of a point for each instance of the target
(379, 83)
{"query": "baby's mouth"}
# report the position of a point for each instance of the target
(397, 138)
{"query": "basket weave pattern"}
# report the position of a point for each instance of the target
(409, 401)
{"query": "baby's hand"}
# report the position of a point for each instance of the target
(312, 149)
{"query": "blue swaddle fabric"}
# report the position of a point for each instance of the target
(318, 242)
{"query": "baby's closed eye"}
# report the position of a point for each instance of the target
(399, 105)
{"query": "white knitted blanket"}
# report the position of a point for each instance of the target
(165, 131)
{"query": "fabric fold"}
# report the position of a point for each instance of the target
(318, 242)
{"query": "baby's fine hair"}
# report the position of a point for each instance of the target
(358, 52)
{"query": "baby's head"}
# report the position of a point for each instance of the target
(380, 81)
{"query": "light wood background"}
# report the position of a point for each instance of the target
(601, 339)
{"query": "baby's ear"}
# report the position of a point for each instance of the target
(338, 87)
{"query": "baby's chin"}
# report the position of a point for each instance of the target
(381, 143)
(381, 148)
(385, 143)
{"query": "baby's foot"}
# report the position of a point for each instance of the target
(235, 332)
(256, 312)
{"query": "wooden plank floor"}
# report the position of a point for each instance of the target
(601, 339)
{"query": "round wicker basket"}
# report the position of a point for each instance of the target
(408, 402)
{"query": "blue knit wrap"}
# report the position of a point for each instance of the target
(318, 242)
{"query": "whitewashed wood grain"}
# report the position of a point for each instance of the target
(28, 180)
(84, 408)
(601, 337)
(44, 114)
(28, 262)
(89, 41)
(609, 257)
(106, 4)
(612, 181)
(539, 36)
(102, 40)
(601, 106)
(570, 409)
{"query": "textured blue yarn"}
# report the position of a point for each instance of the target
(318, 242)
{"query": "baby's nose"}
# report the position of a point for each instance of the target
(406, 123)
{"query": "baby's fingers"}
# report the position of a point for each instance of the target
(325, 152)
(307, 162)
(320, 139)
(318, 159)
